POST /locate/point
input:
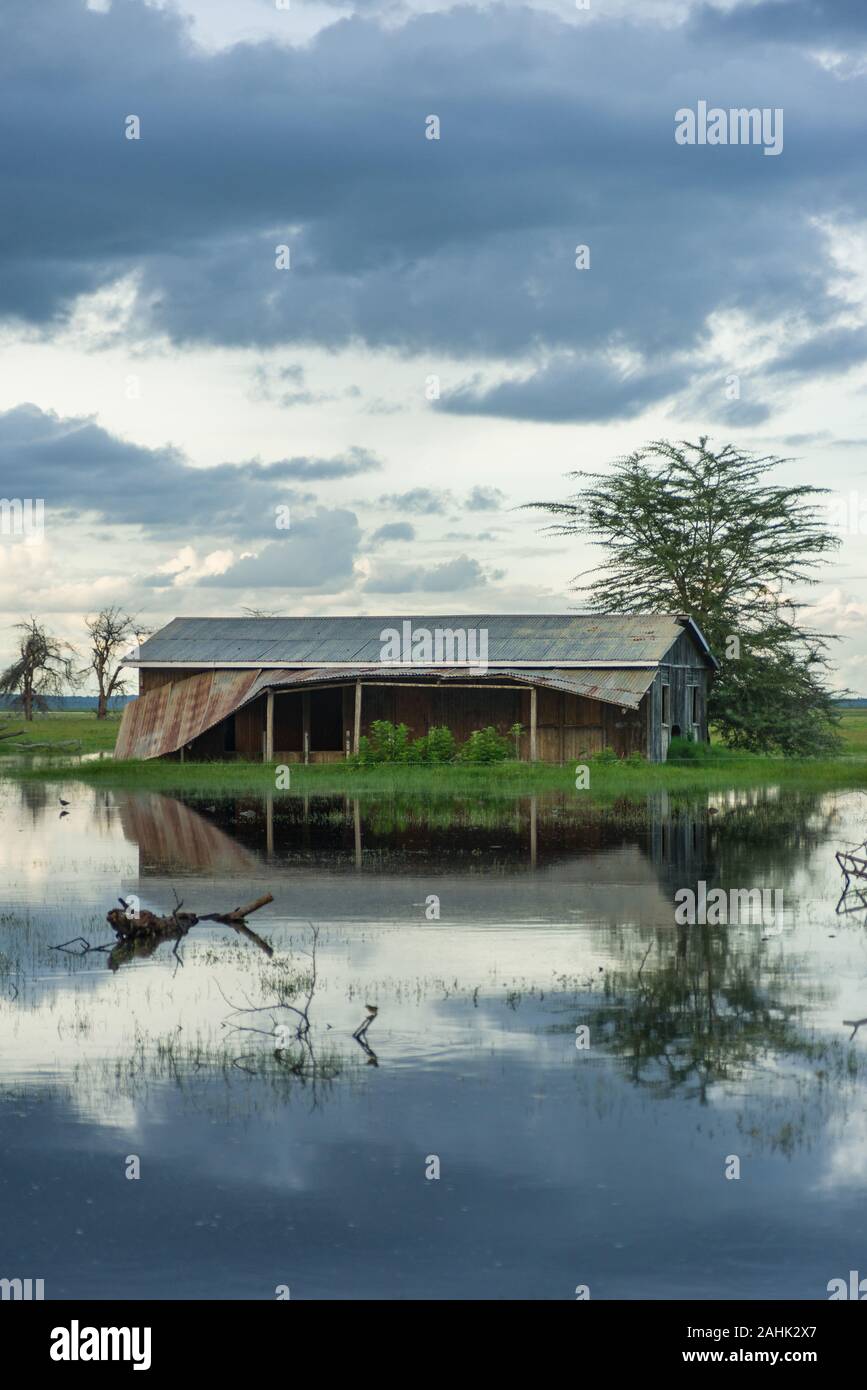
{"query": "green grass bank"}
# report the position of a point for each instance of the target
(716, 769)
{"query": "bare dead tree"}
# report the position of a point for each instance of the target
(111, 632)
(43, 666)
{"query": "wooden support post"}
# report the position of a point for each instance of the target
(534, 832)
(532, 723)
(562, 728)
(269, 726)
(356, 735)
(305, 723)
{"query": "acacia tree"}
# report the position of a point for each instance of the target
(689, 529)
(111, 632)
(43, 666)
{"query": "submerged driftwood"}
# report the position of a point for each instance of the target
(141, 933)
(853, 863)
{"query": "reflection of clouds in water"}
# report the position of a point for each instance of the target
(48, 861)
(101, 1107)
(845, 1162)
(552, 1158)
(514, 932)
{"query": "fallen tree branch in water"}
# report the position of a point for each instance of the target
(139, 932)
(86, 947)
(854, 1024)
(143, 925)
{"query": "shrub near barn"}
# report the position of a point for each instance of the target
(391, 743)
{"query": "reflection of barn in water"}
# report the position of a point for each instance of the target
(172, 835)
(336, 857)
(678, 838)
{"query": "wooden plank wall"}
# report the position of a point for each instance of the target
(572, 727)
(250, 728)
(568, 726)
(461, 709)
(683, 668)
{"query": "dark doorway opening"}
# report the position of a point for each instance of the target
(288, 723)
(675, 731)
(229, 734)
(326, 720)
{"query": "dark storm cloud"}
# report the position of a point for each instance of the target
(77, 466)
(422, 501)
(553, 135)
(393, 531)
(786, 21)
(318, 552)
(426, 501)
(485, 499)
(567, 390)
(835, 351)
(451, 576)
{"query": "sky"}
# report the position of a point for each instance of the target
(284, 351)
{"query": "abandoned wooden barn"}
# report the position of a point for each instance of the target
(307, 689)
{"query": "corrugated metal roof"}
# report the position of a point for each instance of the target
(165, 719)
(613, 687)
(543, 638)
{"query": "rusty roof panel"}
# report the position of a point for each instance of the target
(606, 683)
(165, 719)
(611, 686)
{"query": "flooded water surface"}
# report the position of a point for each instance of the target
(468, 1051)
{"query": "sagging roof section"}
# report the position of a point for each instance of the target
(165, 719)
(613, 687)
(546, 639)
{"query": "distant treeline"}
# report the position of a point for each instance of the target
(70, 702)
(857, 703)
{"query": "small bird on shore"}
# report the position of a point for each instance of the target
(62, 814)
(372, 1009)
(62, 802)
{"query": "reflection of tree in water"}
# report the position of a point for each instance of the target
(769, 834)
(33, 798)
(700, 1014)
